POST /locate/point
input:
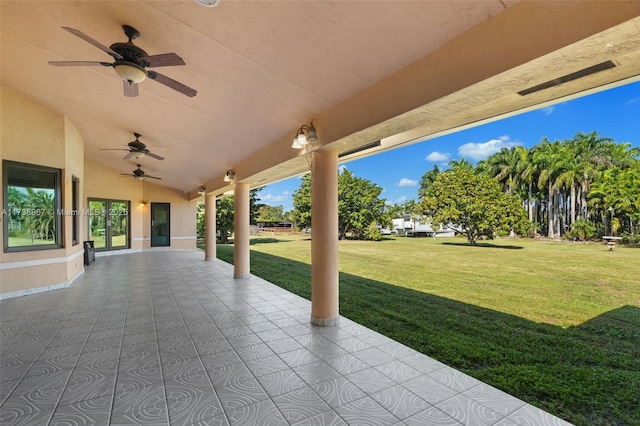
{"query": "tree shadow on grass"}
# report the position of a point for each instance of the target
(586, 374)
(265, 240)
(484, 245)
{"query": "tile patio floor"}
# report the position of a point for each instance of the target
(163, 337)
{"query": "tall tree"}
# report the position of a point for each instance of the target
(461, 164)
(359, 204)
(546, 157)
(301, 212)
(504, 167)
(268, 213)
(427, 179)
(473, 204)
(224, 217)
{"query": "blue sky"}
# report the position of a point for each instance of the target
(613, 113)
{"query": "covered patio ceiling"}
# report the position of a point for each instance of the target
(363, 71)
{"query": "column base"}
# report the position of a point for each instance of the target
(210, 258)
(241, 276)
(325, 322)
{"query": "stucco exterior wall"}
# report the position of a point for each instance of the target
(104, 182)
(34, 134)
(182, 217)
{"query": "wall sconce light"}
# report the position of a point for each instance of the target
(304, 135)
(143, 203)
(230, 176)
(201, 190)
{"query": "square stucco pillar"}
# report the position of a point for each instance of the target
(209, 227)
(241, 231)
(324, 239)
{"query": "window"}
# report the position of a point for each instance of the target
(31, 207)
(75, 207)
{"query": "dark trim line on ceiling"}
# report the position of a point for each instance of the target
(569, 77)
(360, 149)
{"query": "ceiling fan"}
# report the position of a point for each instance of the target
(139, 174)
(131, 63)
(136, 150)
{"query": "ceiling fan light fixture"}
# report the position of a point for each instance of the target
(138, 155)
(229, 176)
(139, 177)
(208, 3)
(130, 72)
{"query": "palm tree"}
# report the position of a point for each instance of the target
(41, 221)
(590, 151)
(547, 157)
(503, 166)
(16, 200)
(427, 179)
(462, 164)
(528, 175)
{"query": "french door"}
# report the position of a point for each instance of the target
(109, 223)
(160, 229)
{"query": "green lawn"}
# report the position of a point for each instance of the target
(99, 241)
(26, 241)
(555, 324)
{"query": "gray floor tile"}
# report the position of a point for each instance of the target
(301, 404)
(338, 391)
(163, 338)
(366, 411)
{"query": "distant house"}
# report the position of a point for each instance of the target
(411, 227)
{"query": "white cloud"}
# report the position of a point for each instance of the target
(400, 200)
(407, 182)
(548, 110)
(632, 101)
(480, 151)
(270, 198)
(438, 157)
(342, 168)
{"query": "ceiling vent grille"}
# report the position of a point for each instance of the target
(569, 77)
(360, 149)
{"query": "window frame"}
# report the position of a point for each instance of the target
(7, 165)
(75, 210)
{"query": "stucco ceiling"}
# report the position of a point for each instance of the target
(393, 71)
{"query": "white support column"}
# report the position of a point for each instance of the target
(209, 227)
(324, 239)
(241, 231)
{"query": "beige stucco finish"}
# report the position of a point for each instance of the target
(398, 72)
(364, 71)
(241, 255)
(210, 227)
(33, 133)
(324, 240)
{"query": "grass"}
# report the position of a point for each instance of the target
(555, 324)
(27, 241)
(100, 242)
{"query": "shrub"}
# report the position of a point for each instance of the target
(582, 229)
(632, 240)
(373, 233)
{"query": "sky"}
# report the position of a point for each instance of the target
(613, 113)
